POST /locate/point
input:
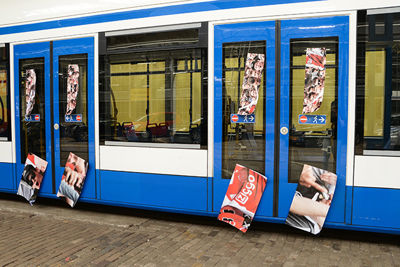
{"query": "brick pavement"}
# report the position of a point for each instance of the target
(50, 234)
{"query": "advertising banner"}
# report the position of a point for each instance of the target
(251, 83)
(314, 79)
(312, 199)
(30, 92)
(32, 177)
(73, 179)
(72, 88)
(242, 197)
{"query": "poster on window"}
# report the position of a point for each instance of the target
(242, 197)
(251, 83)
(73, 179)
(30, 94)
(314, 79)
(72, 93)
(32, 177)
(312, 199)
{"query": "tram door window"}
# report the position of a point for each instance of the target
(313, 144)
(242, 143)
(5, 122)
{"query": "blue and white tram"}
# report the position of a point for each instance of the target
(157, 86)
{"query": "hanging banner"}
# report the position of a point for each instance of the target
(314, 79)
(30, 93)
(72, 89)
(32, 177)
(251, 83)
(312, 199)
(242, 197)
(73, 179)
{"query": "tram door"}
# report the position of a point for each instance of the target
(275, 140)
(54, 94)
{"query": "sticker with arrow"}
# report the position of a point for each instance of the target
(312, 119)
(237, 118)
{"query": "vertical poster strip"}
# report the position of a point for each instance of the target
(32, 177)
(314, 79)
(72, 87)
(30, 91)
(242, 197)
(73, 179)
(312, 199)
(251, 83)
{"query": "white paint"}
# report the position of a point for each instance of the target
(6, 154)
(374, 171)
(96, 103)
(187, 162)
(12, 96)
(351, 98)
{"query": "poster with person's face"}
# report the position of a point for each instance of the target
(314, 84)
(32, 177)
(251, 83)
(242, 197)
(73, 179)
(30, 90)
(72, 87)
(312, 199)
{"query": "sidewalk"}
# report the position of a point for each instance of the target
(51, 234)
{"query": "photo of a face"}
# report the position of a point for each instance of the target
(314, 84)
(72, 88)
(30, 90)
(73, 179)
(251, 83)
(312, 199)
(32, 177)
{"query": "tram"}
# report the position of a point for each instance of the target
(159, 81)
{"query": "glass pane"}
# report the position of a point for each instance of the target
(243, 143)
(32, 108)
(73, 106)
(5, 122)
(378, 85)
(154, 97)
(313, 105)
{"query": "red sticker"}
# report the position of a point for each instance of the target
(36, 117)
(78, 118)
(303, 119)
(235, 118)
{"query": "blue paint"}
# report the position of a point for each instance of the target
(349, 204)
(236, 118)
(25, 51)
(376, 207)
(72, 47)
(7, 180)
(145, 13)
(312, 119)
(168, 191)
(243, 32)
(314, 28)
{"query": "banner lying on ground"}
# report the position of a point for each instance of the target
(32, 177)
(312, 199)
(314, 79)
(73, 179)
(242, 197)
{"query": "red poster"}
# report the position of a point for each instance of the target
(242, 197)
(251, 83)
(32, 177)
(314, 79)
(312, 199)
(30, 91)
(73, 179)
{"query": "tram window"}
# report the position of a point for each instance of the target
(5, 122)
(154, 97)
(377, 129)
(313, 144)
(242, 143)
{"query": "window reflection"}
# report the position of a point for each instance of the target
(5, 122)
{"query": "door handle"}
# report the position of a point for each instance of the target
(56, 126)
(284, 130)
